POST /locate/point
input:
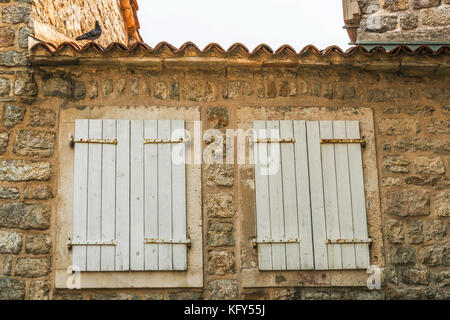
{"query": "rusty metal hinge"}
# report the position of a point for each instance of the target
(154, 141)
(97, 141)
(171, 241)
(361, 141)
(255, 241)
(273, 141)
(72, 243)
(348, 241)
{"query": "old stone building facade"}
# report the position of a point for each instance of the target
(391, 22)
(401, 98)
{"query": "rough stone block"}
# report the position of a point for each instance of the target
(407, 203)
(219, 205)
(24, 216)
(396, 164)
(35, 143)
(427, 165)
(4, 141)
(394, 231)
(42, 118)
(220, 263)
(223, 290)
(403, 255)
(38, 244)
(219, 175)
(10, 242)
(33, 267)
(12, 289)
(39, 290)
(57, 87)
(12, 115)
(21, 170)
(441, 204)
(415, 232)
(200, 91)
(220, 234)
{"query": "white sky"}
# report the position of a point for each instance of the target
(251, 22)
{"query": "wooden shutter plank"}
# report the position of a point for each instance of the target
(123, 196)
(179, 199)
(165, 195)
(344, 195)
(108, 196)
(276, 197)
(262, 196)
(330, 195)
(358, 195)
(289, 195)
(94, 195)
(137, 195)
(151, 194)
(317, 201)
(80, 193)
(303, 196)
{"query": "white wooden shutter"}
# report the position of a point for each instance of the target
(311, 213)
(129, 197)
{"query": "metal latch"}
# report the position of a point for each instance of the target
(362, 141)
(274, 241)
(72, 243)
(187, 241)
(97, 141)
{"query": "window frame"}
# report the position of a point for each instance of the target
(251, 275)
(190, 278)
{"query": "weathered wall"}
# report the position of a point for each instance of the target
(60, 21)
(412, 128)
(404, 20)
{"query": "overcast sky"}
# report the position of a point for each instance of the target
(251, 22)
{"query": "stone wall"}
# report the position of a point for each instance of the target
(404, 20)
(60, 21)
(412, 128)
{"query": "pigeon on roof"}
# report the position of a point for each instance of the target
(93, 34)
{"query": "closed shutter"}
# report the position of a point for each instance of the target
(311, 211)
(129, 196)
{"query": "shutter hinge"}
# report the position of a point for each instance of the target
(273, 141)
(362, 141)
(72, 243)
(98, 141)
(255, 241)
(155, 141)
(347, 241)
(187, 241)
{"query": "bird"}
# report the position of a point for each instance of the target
(92, 35)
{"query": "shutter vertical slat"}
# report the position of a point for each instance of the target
(262, 196)
(137, 195)
(179, 197)
(108, 195)
(330, 195)
(317, 201)
(276, 197)
(358, 195)
(80, 193)
(151, 194)
(344, 195)
(289, 196)
(303, 196)
(123, 196)
(165, 195)
(94, 195)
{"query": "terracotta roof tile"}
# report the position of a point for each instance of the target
(237, 49)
